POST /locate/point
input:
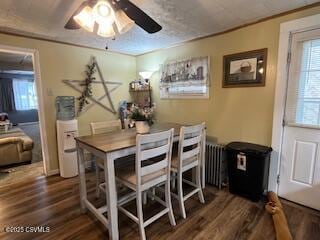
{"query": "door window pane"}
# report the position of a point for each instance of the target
(308, 101)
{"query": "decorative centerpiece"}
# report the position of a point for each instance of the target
(142, 118)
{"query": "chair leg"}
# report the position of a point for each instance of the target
(180, 196)
(169, 204)
(198, 182)
(145, 197)
(153, 193)
(140, 216)
(97, 181)
(173, 180)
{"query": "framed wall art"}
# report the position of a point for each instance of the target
(188, 78)
(245, 69)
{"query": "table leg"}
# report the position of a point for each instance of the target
(111, 196)
(82, 177)
(203, 156)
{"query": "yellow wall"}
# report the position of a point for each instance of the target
(231, 114)
(59, 61)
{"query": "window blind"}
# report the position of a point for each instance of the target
(25, 97)
(303, 96)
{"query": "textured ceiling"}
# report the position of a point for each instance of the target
(181, 20)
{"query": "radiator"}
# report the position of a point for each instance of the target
(216, 166)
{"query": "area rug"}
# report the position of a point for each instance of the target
(20, 173)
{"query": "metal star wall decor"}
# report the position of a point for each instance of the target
(78, 86)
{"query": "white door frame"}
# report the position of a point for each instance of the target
(41, 110)
(286, 29)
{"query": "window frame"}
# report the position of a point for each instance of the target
(297, 40)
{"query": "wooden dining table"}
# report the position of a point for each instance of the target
(110, 147)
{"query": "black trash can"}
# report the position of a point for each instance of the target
(248, 169)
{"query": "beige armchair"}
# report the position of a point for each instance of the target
(15, 148)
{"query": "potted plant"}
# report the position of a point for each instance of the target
(142, 117)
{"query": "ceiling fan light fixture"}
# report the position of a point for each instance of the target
(85, 18)
(103, 13)
(123, 22)
(106, 31)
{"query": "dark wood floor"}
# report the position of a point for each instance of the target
(53, 202)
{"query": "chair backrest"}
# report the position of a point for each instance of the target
(153, 158)
(105, 126)
(190, 144)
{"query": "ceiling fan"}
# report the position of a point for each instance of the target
(111, 16)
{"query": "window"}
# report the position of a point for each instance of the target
(308, 104)
(303, 96)
(25, 97)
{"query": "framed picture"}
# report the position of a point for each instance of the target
(246, 69)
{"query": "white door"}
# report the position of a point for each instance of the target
(300, 158)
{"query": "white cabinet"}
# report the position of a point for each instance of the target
(66, 132)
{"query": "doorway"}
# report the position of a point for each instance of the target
(297, 139)
(22, 148)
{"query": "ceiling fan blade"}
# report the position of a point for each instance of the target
(139, 16)
(72, 24)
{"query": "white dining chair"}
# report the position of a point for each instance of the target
(188, 157)
(153, 159)
(103, 127)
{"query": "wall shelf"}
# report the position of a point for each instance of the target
(142, 96)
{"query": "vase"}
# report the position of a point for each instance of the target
(142, 127)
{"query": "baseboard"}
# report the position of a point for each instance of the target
(53, 172)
